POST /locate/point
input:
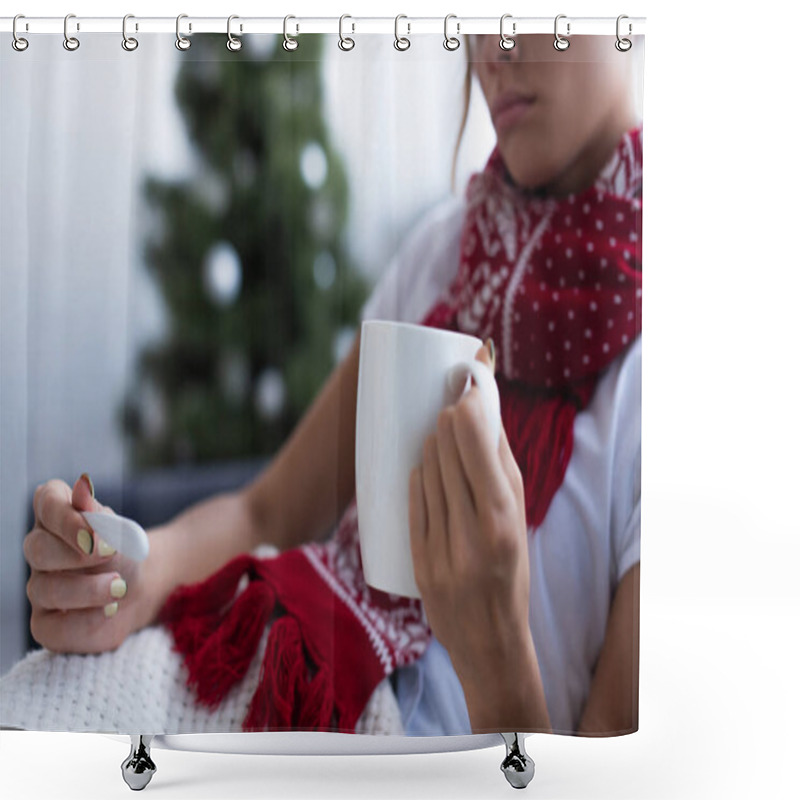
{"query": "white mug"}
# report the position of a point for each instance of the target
(406, 375)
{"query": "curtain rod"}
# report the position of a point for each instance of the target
(298, 25)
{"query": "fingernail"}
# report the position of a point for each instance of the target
(118, 587)
(490, 344)
(104, 548)
(85, 541)
(85, 476)
(111, 609)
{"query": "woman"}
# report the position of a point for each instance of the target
(529, 577)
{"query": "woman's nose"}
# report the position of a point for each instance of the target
(488, 50)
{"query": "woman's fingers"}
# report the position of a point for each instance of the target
(46, 552)
(66, 591)
(435, 503)
(83, 494)
(478, 453)
(510, 467)
(486, 354)
(89, 630)
(51, 503)
(477, 450)
(54, 511)
(458, 495)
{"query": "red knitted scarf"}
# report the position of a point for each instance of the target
(557, 285)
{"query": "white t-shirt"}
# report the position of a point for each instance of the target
(590, 536)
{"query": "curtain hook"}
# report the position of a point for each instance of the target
(560, 43)
(347, 43)
(450, 42)
(506, 42)
(401, 43)
(128, 42)
(233, 44)
(70, 42)
(18, 43)
(290, 43)
(181, 42)
(623, 45)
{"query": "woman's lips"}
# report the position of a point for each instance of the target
(507, 113)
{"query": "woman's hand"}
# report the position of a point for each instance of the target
(470, 552)
(86, 597)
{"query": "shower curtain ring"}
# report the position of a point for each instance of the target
(401, 42)
(18, 43)
(346, 43)
(560, 43)
(450, 42)
(233, 44)
(289, 42)
(128, 42)
(70, 42)
(623, 45)
(181, 42)
(506, 42)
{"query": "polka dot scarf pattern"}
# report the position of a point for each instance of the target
(557, 284)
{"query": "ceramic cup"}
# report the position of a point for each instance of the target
(406, 375)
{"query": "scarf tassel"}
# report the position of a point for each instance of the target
(287, 698)
(541, 438)
(217, 635)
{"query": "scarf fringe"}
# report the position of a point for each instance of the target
(540, 434)
(218, 640)
(286, 698)
(218, 635)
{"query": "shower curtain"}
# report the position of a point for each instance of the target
(193, 231)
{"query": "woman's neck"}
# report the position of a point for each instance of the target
(583, 171)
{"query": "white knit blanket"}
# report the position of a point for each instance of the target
(141, 688)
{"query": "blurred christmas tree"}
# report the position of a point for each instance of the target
(249, 261)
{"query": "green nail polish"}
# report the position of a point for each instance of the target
(118, 588)
(85, 541)
(104, 548)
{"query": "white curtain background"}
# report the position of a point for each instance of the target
(78, 130)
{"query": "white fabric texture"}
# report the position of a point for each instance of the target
(141, 688)
(591, 534)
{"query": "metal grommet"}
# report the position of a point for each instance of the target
(346, 43)
(18, 43)
(181, 42)
(560, 43)
(401, 42)
(450, 42)
(233, 44)
(506, 42)
(289, 42)
(623, 45)
(128, 42)
(70, 42)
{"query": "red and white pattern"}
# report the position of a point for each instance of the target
(396, 626)
(557, 285)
